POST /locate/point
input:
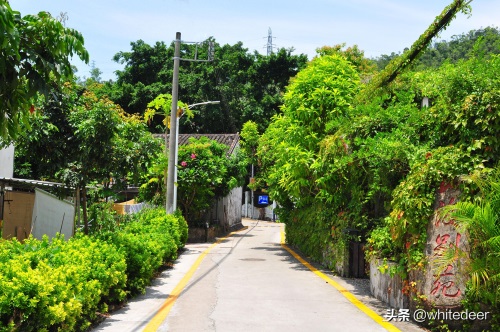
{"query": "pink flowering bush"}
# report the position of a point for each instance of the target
(206, 172)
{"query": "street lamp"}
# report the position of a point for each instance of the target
(174, 203)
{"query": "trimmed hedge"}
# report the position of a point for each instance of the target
(62, 285)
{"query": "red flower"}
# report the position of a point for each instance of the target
(193, 156)
(184, 164)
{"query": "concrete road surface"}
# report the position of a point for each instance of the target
(250, 282)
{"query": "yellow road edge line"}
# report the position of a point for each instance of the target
(164, 310)
(360, 305)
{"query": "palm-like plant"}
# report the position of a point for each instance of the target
(480, 220)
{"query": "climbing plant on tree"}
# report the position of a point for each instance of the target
(401, 63)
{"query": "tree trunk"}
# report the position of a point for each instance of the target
(262, 213)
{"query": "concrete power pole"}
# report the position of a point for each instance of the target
(172, 144)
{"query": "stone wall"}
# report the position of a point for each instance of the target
(386, 288)
(442, 286)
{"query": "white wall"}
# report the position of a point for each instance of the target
(227, 210)
(51, 216)
(7, 162)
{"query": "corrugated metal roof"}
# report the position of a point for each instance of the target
(27, 183)
(230, 140)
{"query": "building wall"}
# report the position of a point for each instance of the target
(18, 213)
(7, 162)
(227, 212)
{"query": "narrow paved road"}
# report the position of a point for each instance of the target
(249, 282)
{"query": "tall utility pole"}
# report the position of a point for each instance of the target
(171, 177)
(173, 127)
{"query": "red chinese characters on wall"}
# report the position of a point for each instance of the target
(444, 287)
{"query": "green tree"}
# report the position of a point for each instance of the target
(81, 139)
(205, 172)
(268, 77)
(34, 47)
(147, 74)
(248, 86)
(353, 54)
(318, 96)
(290, 151)
(250, 141)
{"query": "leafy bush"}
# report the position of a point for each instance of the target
(62, 285)
(205, 172)
(151, 239)
(375, 165)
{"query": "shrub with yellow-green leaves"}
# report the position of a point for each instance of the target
(60, 285)
(152, 239)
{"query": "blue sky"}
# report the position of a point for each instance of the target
(376, 26)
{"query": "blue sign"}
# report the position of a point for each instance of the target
(263, 200)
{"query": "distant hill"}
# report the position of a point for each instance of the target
(476, 42)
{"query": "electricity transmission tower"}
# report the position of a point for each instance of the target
(270, 44)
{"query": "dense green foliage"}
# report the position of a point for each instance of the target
(290, 149)
(351, 155)
(75, 131)
(370, 171)
(248, 86)
(64, 285)
(33, 49)
(78, 138)
(149, 240)
(205, 172)
(58, 283)
(379, 162)
(478, 42)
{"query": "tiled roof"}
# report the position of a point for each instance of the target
(230, 140)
